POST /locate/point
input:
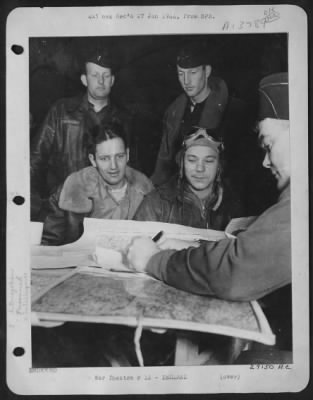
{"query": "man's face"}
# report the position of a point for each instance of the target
(274, 139)
(110, 160)
(201, 166)
(98, 81)
(194, 80)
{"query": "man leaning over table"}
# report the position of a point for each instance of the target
(257, 264)
(108, 189)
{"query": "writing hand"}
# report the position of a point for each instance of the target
(140, 251)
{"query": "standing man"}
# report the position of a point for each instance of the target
(205, 103)
(60, 145)
(256, 264)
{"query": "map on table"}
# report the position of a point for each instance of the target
(129, 299)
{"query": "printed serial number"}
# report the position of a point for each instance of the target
(270, 366)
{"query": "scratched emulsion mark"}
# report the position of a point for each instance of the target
(18, 291)
(88, 295)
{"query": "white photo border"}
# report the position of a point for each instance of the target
(23, 23)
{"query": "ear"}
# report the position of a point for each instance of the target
(83, 79)
(112, 80)
(92, 160)
(127, 154)
(208, 70)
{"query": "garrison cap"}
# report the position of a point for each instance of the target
(100, 56)
(273, 97)
(192, 55)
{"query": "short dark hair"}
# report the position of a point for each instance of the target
(103, 132)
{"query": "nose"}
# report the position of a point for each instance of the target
(100, 79)
(113, 163)
(186, 79)
(266, 162)
(199, 166)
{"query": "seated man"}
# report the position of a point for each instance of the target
(257, 264)
(197, 197)
(108, 189)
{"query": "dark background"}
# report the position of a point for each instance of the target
(146, 83)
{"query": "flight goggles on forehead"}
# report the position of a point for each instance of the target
(201, 138)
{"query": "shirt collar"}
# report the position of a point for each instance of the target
(86, 105)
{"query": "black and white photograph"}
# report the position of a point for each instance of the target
(157, 176)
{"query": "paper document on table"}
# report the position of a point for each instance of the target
(119, 233)
(104, 243)
(51, 257)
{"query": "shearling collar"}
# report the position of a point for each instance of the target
(86, 184)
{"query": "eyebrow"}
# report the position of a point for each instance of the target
(196, 156)
(110, 154)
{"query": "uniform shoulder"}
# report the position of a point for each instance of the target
(168, 191)
(180, 100)
(77, 190)
(68, 103)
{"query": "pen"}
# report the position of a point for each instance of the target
(157, 236)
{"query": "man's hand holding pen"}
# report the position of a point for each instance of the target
(143, 248)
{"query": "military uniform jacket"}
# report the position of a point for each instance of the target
(58, 149)
(174, 202)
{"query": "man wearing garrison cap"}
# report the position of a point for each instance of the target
(59, 148)
(256, 265)
(205, 102)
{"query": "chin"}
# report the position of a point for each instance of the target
(199, 187)
(111, 181)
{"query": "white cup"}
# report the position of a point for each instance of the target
(36, 232)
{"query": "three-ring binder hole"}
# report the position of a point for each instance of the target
(17, 49)
(18, 200)
(18, 351)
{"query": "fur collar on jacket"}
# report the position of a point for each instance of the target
(80, 187)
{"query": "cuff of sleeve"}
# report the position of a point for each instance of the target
(157, 265)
